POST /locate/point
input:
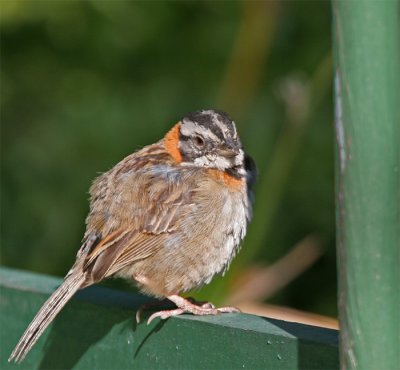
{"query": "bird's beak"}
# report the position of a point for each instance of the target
(227, 152)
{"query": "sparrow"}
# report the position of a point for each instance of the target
(168, 217)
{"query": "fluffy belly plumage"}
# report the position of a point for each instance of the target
(202, 248)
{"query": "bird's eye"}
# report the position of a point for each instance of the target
(199, 141)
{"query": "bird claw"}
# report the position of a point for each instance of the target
(165, 314)
(146, 306)
(138, 314)
(190, 306)
(203, 304)
(228, 310)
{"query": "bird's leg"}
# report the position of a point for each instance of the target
(149, 305)
(152, 304)
(184, 305)
(204, 304)
(187, 306)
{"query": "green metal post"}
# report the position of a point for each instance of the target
(367, 83)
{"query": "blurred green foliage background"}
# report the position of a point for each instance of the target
(84, 83)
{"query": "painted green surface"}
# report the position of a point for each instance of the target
(367, 47)
(97, 330)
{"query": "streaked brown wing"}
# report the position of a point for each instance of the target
(133, 246)
(113, 240)
(139, 239)
(146, 243)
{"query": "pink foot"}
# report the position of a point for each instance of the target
(149, 305)
(190, 306)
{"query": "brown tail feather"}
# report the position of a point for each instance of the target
(46, 315)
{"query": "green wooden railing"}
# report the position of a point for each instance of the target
(367, 48)
(97, 330)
